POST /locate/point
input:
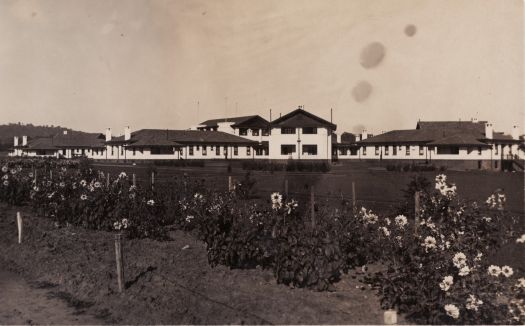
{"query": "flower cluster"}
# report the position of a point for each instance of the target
(121, 225)
(443, 187)
(496, 200)
(277, 200)
(496, 271)
(368, 217)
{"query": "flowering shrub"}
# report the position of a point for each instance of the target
(435, 272)
(440, 274)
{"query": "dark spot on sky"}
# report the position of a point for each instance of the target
(372, 55)
(204, 13)
(410, 30)
(122, 35)
(33, 14)
(361, 91)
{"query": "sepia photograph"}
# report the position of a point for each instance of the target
(260, 162)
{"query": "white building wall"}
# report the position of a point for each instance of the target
(322, 140)
(465, 153)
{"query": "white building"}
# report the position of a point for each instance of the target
(301, 135)
(468, 144)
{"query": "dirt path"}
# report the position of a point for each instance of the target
(22, 303)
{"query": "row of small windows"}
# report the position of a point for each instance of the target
(254, 132)
(450, 150)
(305, 131)
(306, 149)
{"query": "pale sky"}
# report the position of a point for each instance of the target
(92, 64)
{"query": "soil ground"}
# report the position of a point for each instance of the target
(165, 284)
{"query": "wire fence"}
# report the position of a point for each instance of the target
(296, 185)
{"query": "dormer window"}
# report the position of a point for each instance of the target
(255, 132)
(243, 132)
(265, 132)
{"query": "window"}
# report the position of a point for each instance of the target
(309, 130)
(161, 150)
(394, 150)
(121, 151)
(448, 150)
(310, 149)
(287, 131)
(198, 147)
(364, 151)
(377, 150)
(407, 150)
(134, 151)
(218, 150)
(190, 152)
(181, 151)
(287, 149)
(226, 150)
(248, 150)
(421, 150)
(243, 132)
(479, 150)
(387, 148)
(204, 150)
(353, 151)
(255, 132)
(112, 151)
(265, 132)
(496, 149)
(259, 151)
(235, 150)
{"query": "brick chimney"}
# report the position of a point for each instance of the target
(108, 134)
(24, 140)
(515, 133)
(16, 141)
(65, 132)
(489, 131)
(127, 133)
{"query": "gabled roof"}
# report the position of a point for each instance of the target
(301, 118)
(255, 121)
(90, 140)
(70, 140)
(235, 120)
(458, 140)
(175, 138)
(441, 133)
(405, 136)
(478, 127)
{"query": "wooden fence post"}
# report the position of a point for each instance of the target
(390, 317)
(312, 205)
(120, 265)
(353, 196)
(107, 181)
(20, 226)
(286, 187)
(134, 180)
(230, 183)
(152, 179)
(416, 210)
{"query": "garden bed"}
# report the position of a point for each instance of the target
(166, 284)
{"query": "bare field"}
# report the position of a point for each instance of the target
(164, 283)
